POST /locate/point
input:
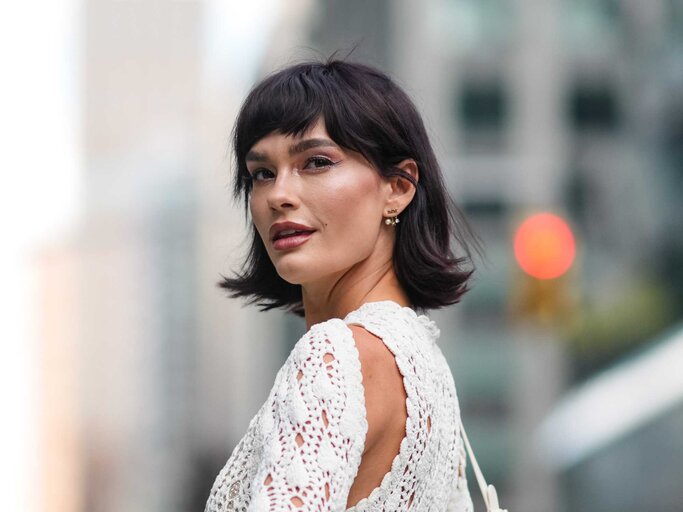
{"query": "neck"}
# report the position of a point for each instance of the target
(344, 293)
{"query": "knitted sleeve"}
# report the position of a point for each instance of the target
(314, 431)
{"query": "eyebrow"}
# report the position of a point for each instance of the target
(299, 147)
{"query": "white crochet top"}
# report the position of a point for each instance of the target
(307, 439)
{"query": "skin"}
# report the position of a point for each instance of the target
(345, 263)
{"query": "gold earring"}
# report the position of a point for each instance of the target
(392, 221)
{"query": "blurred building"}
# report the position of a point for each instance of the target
(621, 425)
(138, 281)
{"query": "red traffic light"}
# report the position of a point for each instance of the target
(544, 246)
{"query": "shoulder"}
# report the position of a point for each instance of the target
(355, 352)
(359, 366)
(330, 339)
(375, 357)
(354, 342)
(364, 357)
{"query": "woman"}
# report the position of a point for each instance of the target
(352, 230)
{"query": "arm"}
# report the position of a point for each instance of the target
(314, 436)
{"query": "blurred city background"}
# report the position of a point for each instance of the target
(128, 377)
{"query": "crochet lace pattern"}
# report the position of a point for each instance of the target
(302, 449)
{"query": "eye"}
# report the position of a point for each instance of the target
(257, 174)
(320, 162)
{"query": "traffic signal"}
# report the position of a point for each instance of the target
(544, 249)
(544, 246)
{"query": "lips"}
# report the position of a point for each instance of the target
(291, 241)
(288, 229)
(289, 232)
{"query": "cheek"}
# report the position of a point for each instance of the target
(350, 208)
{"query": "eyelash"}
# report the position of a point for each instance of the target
(327, 161)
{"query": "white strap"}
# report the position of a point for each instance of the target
(488, 492)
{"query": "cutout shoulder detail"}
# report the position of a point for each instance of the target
(385, 403)
(367, 318)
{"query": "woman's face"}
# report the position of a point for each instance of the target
(336, 194)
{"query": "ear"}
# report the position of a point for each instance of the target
(400, 191)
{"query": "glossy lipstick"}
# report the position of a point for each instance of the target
(288, 242)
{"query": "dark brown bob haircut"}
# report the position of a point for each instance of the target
(363, 111)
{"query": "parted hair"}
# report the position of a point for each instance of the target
(365, 111)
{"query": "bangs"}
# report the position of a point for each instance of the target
(287, 104)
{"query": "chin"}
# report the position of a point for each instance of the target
(293, 274)
(301, 272)
(291, 280)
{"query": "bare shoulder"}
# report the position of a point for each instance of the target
(383, 385)
(371, 348)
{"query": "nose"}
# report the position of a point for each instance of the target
(282, 193)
